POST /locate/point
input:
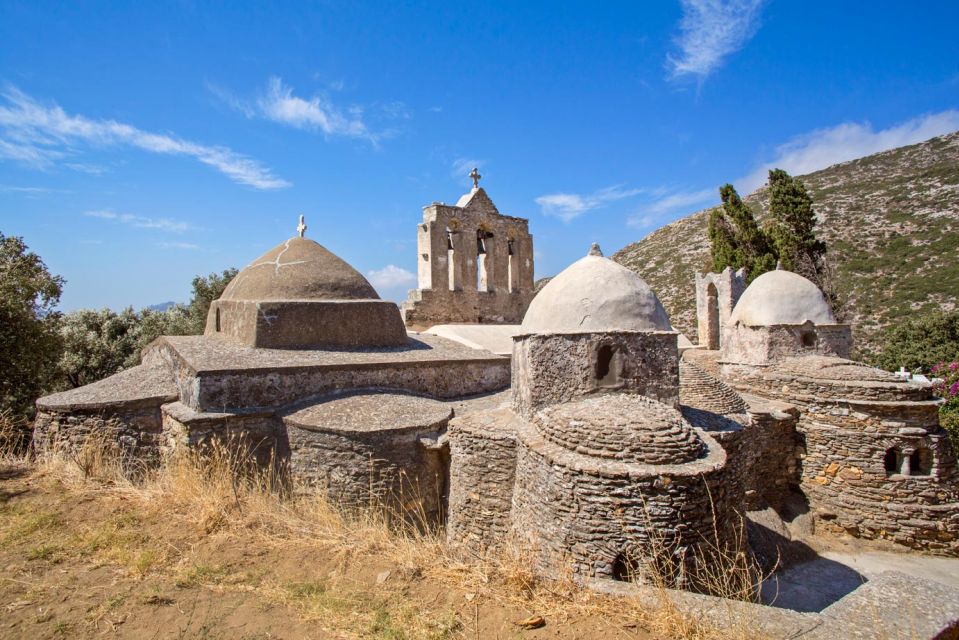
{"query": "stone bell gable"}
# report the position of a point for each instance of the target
(716, 297)
(474, 265)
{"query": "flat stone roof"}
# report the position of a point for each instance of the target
(497, 338)
(370, 412)
(139, 385)
(204, 354)
(220, 376)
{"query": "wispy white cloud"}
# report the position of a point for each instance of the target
(847, 141)
(25, 190)
(279, 104)
(461, 167)
(671, 202)
(567, 206)
(315, 114)
(186, 246)
(711, 31)
(82, 167)
(41, 135)
(140, 222)
(390, 277)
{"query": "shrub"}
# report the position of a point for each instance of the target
(920, 342)
(947, 388)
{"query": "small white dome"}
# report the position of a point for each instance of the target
(782, 297)
(595, 294)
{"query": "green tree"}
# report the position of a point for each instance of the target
(793, 226)
(205, 291)
(736, 240)
(97, 344)
(29, 342)
(175, 321)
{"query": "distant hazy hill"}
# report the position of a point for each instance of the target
(163, 306)
(891, 221)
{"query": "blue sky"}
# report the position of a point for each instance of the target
(142, 145)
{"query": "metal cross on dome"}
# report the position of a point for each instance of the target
(301, 228)
(475, 175)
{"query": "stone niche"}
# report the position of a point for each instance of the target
(475, 265)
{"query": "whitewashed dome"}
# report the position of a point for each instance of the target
(595, 294)
(782, 297)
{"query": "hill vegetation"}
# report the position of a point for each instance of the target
(891, 224)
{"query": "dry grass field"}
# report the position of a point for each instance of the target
(192, 552)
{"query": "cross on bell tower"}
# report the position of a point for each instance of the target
(475, 175)
(301, 228)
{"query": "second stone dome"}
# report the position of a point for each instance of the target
(595, 294)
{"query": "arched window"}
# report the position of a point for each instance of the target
(625, 568)
(712, 317)
(892, 461)
(483, 238)
(920, 462)
(218, 320)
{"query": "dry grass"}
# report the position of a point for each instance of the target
(218, 497)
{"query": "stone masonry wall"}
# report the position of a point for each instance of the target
(135, 430)
(594, 518)
(759, 346)
(845, 478)
(430, 307)
(482, 471)
(252, 435)
(553, 368)
(374, 469)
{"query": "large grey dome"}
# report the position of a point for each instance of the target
(782, 297)
(299, 269)
(596, 294)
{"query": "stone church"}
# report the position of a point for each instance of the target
(594, 434)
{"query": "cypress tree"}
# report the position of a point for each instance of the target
(736, 240)
(793, 228)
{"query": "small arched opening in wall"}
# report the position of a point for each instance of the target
(217, 320)
(608, 368)
(808, 339)
(512, 277)
(450, 261)
(483, 240)
(712, 317)
(920, 462)
(626, 567)
(892, 461)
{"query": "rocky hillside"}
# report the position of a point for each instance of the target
(891, 221)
